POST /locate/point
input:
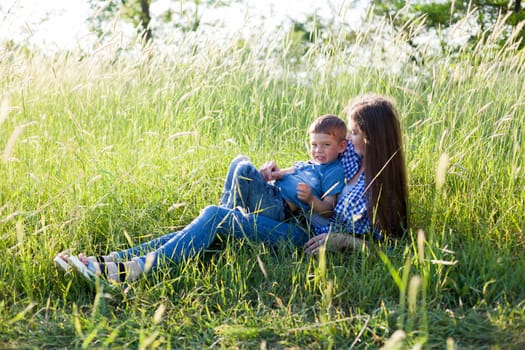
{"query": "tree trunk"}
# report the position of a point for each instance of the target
(146, 19)
(517, 5)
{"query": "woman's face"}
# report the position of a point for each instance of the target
(357, 137)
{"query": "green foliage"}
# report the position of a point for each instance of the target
(185, 15)
(436, 14)
(107, 150)
(441, 15)
(103, 13)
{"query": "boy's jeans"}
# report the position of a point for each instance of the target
(245, 187)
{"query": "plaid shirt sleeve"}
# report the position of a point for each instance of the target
(350, 212)
(350, 161)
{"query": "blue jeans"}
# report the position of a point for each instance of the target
(213, 221)
(245, 187)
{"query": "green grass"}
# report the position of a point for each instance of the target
(100, 152)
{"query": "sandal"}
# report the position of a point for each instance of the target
(61, 260)
(102, 259)
(110, 273)
(89, 275)
(61, 263)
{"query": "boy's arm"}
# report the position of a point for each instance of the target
(270, 171)
(280, 173)
(275, 174)
(323, 207)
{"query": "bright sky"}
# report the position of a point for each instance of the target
(57, 24)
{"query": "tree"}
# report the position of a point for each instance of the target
(448, 13)
(186, 17)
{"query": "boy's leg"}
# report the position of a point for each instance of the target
(226, 192)
(252, 192)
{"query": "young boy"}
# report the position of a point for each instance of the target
(310, 186)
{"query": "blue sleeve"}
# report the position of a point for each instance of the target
(333, 180)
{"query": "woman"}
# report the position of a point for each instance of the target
(373, 200)
(375, 195)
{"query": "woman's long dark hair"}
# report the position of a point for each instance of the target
(384, 162)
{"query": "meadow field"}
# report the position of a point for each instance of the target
(107, 149)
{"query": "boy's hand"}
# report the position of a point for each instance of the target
(270, 171)
(304, 193)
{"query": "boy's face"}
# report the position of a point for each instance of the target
(325, 148)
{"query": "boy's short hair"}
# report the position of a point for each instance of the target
(329, 124)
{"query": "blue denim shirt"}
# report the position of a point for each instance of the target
(323, 179)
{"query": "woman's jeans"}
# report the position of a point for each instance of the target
(213, 221)
(245, 187)
(224, 221)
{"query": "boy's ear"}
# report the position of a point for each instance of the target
(342, 146)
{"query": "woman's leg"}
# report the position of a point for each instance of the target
(226, 192)
(251, 191)
(189, 241)
(122, 255)
(213, 221)
(124, 265)
(144, 248)
(199, 235)
(260, 228)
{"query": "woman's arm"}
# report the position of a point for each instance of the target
(334, 242)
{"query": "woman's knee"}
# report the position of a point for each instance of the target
(240, 158)
(237, 160)
(245, 169)
(214, 211)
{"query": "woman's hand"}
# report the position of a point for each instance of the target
(333, 242)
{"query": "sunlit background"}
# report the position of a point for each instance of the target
(61, 24)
